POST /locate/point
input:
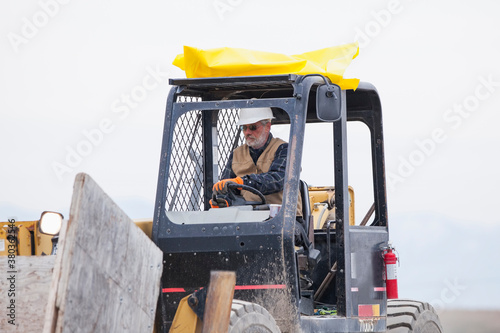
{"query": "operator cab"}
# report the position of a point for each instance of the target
(311, 114)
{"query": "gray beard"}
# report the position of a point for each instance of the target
(259, 142)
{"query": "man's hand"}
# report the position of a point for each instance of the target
(221, 186)
(220, 201)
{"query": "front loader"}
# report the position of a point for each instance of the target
(280, 285)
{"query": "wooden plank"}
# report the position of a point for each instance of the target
(29, 290)
(218, 304)
(107, 276)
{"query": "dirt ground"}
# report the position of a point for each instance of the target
(465, 321)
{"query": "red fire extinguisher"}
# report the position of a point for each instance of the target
(391, 277)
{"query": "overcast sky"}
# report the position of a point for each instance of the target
(84, 86)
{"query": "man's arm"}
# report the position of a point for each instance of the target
(273, 180)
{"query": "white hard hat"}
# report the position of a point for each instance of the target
(253, 115)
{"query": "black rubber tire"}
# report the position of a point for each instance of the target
(404, 316)
(249, 317)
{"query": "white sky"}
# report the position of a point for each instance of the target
(67, 66)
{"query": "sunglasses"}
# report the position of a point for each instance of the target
(251, 127)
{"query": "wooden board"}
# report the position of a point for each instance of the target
(30, 292)
(107, 272)
(218, 304)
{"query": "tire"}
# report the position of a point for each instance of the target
(249, 317)
(404, 316)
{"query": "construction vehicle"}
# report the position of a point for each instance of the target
(345, 287)
(339, 284)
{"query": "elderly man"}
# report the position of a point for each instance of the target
(260, 162)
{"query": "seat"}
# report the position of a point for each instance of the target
(312, 256)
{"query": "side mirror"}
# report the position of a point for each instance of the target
(50, 223)
(329, 102)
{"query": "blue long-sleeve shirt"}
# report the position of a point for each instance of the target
(268, 182)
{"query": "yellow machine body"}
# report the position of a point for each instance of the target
(322, 205)
(185, 320)
(28, 240)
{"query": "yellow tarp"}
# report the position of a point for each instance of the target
(220, 62)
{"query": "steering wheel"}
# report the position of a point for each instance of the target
(238, 200)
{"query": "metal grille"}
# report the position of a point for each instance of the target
(185, 179)
(226, 133)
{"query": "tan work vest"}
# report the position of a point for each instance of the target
(244, 165)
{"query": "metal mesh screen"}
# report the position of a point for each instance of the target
(185, 180)
(226, 134)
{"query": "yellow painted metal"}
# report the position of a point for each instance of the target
(24, 244)
(146, 225)
(351, 206)
(185, 320)
(376, 310)
(43, 243)
(320, 197)
(24, 239)
(4, 243)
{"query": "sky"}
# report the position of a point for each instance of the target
(84, 87)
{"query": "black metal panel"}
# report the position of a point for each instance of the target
(262, 273)
(236, 83)
(209, 237)
(367, 281)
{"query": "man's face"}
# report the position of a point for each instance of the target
(256, 138)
